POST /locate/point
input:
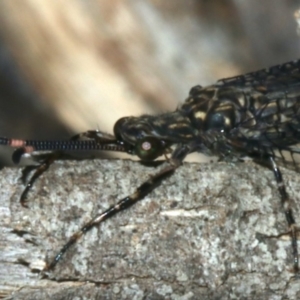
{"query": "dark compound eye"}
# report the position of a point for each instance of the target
(149, 148)
(221, 119)
(215, 121)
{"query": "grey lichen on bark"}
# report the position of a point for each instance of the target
(209, 231)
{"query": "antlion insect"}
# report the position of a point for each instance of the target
(256, 115)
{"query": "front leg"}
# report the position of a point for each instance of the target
(46, 160)
(141, 192)
(96, 135)
(39, 170)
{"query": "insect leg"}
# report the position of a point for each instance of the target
(26, 171)
(39, 170)
(95, 135)
(285, 201)
(143, 190)
(45, 163)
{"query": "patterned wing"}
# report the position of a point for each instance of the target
(269, 117)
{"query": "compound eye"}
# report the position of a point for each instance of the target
(221, 119)
(149, 148)
(215, 121)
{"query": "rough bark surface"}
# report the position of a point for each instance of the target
(208, 232)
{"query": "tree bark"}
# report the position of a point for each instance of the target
(208, 232)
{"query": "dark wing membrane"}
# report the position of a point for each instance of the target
(270, 119)
(271, 79)
(288, 159)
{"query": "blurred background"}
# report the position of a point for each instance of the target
(70, 66)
